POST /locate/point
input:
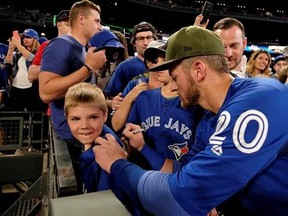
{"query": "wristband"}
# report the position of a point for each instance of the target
(89, 69)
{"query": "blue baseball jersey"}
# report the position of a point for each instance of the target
(246, 152)
(63, 55)
(168, 127)
(3, 68)
(124, 72)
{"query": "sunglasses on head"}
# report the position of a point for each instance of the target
(26, 37)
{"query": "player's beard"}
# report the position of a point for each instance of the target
(191, 95)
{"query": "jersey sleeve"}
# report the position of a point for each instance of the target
(146, 187)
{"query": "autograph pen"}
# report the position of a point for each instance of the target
(137, 131)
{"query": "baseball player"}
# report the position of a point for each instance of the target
(245, 136)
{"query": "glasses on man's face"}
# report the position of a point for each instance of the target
(141, 38)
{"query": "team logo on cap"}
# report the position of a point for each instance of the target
(187, 49)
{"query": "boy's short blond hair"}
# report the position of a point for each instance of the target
(84, 93)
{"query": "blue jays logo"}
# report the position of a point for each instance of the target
(179, 149)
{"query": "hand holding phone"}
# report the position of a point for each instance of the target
(206, 11)
(16, 34)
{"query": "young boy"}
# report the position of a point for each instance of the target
(86, 112)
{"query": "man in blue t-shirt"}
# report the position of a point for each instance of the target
(143, 33)
(65, 62)
(240, 152)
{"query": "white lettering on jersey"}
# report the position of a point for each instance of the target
(215, 139)
(240, 129)
(175, 125)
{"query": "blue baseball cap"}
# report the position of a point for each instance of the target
(30, 33)
(279, 58)
(42, 39)
(105, 39)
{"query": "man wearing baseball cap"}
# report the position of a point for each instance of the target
(62, 16)
(278, 63)
(143, 33)
(240, 152)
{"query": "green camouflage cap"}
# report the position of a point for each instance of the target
(188, 42)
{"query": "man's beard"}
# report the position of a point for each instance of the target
(191, 95)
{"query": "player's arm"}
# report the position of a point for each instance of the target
(148, 187)
(140, 185)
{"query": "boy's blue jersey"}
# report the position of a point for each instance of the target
(168, 127)
(94, 178)
(246, 151)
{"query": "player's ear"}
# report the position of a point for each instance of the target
(200, 69)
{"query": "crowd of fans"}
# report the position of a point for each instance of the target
(109, 91)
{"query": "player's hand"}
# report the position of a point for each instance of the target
(95, 59)
(117, 101)
(198, 20)
(135, 140)
(107, 151)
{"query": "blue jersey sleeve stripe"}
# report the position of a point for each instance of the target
(127, 175)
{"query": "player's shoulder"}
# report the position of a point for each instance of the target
(259, 86)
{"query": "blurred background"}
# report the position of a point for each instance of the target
(265, 22)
